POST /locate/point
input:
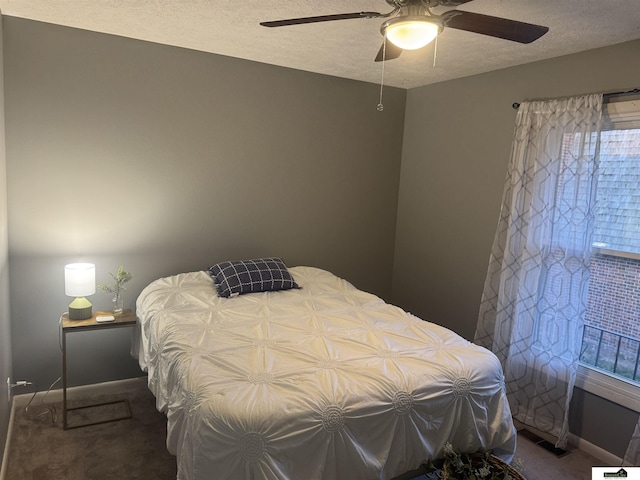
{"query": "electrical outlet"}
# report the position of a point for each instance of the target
(9, 389)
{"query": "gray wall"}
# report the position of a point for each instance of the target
(167, 160)
(5, 325)
(456, 148)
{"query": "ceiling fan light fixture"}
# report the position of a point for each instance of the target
(411, 32)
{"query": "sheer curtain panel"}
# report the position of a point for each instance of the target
(632, 457)
(534, 298)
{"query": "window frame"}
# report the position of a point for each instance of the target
(608, 386)
(621, 114)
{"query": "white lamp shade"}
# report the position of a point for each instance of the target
(79, 279)
(410, 33)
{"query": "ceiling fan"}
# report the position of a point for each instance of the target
(412, 25)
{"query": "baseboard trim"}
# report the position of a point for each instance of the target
(606, 457)
(5, 455)
(115, 386)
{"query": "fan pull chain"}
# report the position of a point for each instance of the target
(435, 51)
(380, 106)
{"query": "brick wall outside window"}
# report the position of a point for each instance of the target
(613, 304)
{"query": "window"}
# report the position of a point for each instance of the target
(611, 340)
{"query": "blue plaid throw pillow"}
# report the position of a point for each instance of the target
(247, 276)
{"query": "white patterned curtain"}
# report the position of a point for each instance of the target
(534, 298)
(632, 457)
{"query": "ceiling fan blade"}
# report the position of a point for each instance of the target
(494, 26)
(321, 18)
(452, 3)
(392, 51)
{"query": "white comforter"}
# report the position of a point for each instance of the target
(324, 382)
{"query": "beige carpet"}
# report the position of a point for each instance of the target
(126, 449)
(135, 448)
(540, 464)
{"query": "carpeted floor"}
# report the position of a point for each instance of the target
(135, 448)
(127, 449)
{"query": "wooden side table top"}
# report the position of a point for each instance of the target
(124, 319)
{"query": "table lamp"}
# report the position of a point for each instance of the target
(79, 281)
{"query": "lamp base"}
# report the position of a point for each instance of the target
(80, 309)
(80, 313)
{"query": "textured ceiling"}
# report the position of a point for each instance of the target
(344, 48)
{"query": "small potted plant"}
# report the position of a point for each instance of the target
(470, 466)
(117, 288)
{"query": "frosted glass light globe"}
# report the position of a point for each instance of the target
(411, 33)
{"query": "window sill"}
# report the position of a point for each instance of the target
(606, 386)
(615, 253)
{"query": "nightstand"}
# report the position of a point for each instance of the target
(125, 319)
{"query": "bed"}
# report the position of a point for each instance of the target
(323, 381)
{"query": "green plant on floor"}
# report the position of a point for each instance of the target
(470, 466)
